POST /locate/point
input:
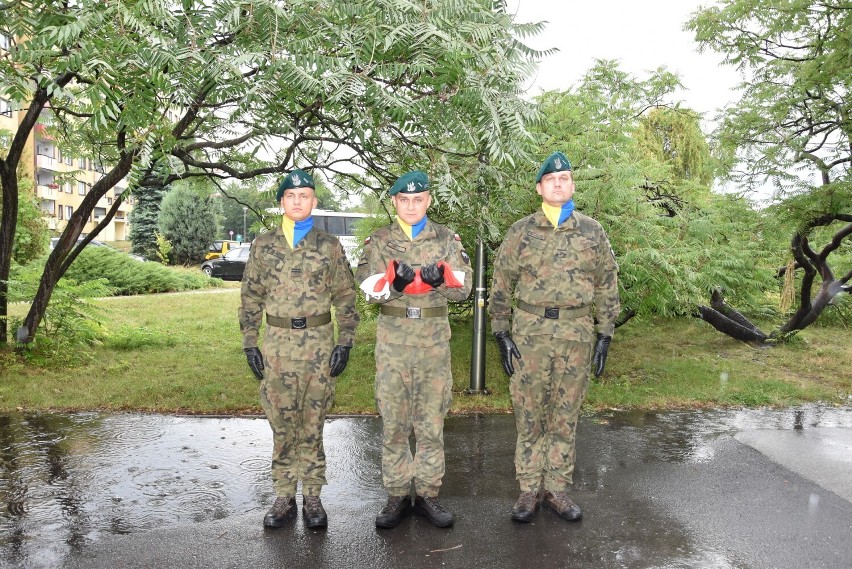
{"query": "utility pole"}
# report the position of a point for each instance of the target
(245, 209)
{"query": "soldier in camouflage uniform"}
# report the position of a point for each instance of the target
(295, 274)
(558, 265)
(413, 267)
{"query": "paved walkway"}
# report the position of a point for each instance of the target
(765, 489)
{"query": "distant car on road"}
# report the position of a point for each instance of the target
(96, 243)
(220, 247)
(92, 243)
(230, 266)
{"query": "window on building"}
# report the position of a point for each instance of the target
(69, 159)
(46, 150)
(81, 163)
(81, 188)
(69, 211)
(69, 188)
(5, 108)
(109, 201)
(59, 213)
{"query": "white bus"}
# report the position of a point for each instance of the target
(338, 223)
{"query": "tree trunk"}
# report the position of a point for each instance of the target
(65, 251)
(728, 321)
(8, 225)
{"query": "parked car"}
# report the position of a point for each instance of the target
(92, 243)
(229, 267)
(220, 247)
(96, 243)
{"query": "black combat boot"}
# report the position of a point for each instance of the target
(525, 507)
(564, 506)
(281, 513)
(313, 512)
(434, 511)
(394, 510)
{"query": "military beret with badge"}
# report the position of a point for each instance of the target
(410, 183)
(296, 179)
(556, 162)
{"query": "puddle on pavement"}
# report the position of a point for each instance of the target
(69, 479)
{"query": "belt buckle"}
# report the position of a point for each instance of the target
(412, 312)
(552, 313)
(299, 323)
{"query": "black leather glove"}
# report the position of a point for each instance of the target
(404, 276)
(601, 351)
(255, 361)
(432, 275)
(339, 359)
(507, 350)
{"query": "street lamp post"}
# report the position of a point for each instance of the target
(245, 209)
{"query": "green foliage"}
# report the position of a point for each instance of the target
(126, 276)
(143, 221)
(188, 221)
(31, 234)
(791, 125)
(233, 198)
(164, 248)
(72, 322)
(791, 129)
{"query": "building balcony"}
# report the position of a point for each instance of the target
(46, 162)
(47, 192)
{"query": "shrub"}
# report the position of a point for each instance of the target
(127, 276)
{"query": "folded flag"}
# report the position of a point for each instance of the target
(378, 285)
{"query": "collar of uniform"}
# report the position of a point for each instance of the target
(427, 232)
(308, 241)
(542, 221)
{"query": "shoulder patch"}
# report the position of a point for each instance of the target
(456, 237)
(367, 241)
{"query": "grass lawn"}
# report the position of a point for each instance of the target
(182, 353)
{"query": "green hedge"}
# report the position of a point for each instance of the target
(127, 276)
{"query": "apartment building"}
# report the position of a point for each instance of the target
(60, 179)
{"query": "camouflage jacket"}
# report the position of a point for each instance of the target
(434, 243)
(567, 267)
(290, 283)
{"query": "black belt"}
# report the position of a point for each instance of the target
(299, 323)
(554, 312)
(414, 312)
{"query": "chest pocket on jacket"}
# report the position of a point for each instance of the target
(532, 254)
(315, 268)
(580, 252)
(276, 261)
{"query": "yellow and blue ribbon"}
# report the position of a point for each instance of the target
(558, 215)
(295, 231)
(412, 231)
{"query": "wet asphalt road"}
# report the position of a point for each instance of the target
(750, 489)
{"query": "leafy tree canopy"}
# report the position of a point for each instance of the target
(228, 89)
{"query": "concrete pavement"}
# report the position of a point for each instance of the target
(658, 490)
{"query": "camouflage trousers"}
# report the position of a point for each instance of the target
(547, 389)
(413, 393)
(295, 395)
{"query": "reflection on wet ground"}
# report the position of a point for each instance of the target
(70, 480)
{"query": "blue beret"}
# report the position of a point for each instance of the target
(295, 179)
(556, 162)
(410, 183)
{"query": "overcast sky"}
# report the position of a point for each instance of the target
(641, 35)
